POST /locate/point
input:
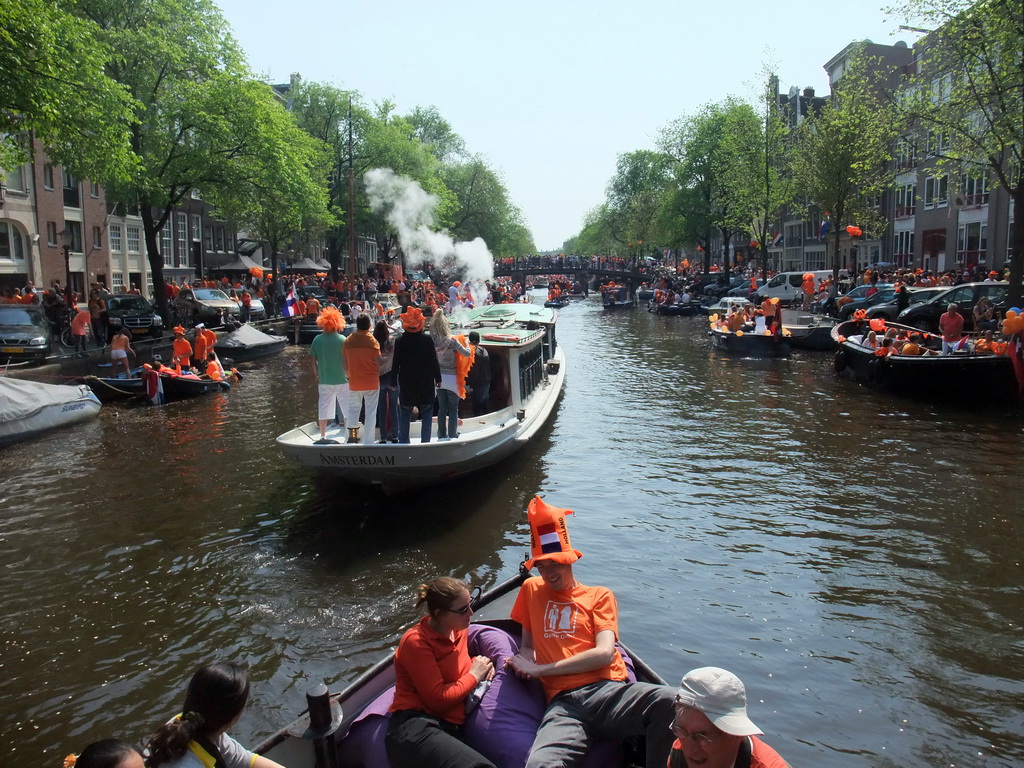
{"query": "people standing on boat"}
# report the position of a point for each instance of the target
(478, 380)
(951, 326)
(197, 738)
(329, 366)
(711, 726)
(120, 348)
(181, 348)
(447, 347)
(434, 675)
(205, 341)
(107, 753)
(387, 397)
(417, 373)
(361, 352)
(568, 643)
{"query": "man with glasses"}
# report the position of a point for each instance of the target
(569, 634)
(711, 726)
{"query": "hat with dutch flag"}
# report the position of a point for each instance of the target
(549, 536)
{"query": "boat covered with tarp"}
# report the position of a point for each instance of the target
(29, 408)
(249, 343)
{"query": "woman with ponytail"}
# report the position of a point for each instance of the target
(197, 738)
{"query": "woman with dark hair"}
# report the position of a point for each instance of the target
(434, 676)
(108, 753)
(387, 398)
(214, 701)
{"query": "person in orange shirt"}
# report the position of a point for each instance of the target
(434, 676)
(569, 634)
(182, 349)
(205, 341)
(361, 351)
(80, 324)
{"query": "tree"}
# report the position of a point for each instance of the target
(841, 158)
(430, 128)
(969, 87)
(52, 83)
(201, 121)
(483, 208)
(635, 196)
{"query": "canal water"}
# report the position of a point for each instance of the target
(855, 558)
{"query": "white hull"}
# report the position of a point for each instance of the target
(483, 441)
(68, 405)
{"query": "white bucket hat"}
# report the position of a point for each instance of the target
(720, 695)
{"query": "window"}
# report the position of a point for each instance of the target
(196, 227)
(936, 192)
(208, 237)
(971, 242)
(97, 238)
(117, 281)
(71, 196)
(12, 244)
(115, 238)
(906, 153)
(182, 240)
(47, 176)
(149, 285)
(975, 189)
(15, 180)
(903, 243)
(905, 196)
(167, 244)
(218, 239)
(94, 189)
(938, 143)
(133, 236)
(75, 231)
(51, 233)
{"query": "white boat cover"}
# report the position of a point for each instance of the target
(22, 399)
(247, 336)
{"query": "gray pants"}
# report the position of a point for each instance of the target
(609, 710)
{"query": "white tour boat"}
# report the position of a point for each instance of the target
(527, 374)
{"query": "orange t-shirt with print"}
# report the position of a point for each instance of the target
(564, 624)
(183, 351)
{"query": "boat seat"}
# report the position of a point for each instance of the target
(502, 728)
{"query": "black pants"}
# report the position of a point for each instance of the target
(418, 740)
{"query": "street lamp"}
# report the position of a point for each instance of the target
(65, 242)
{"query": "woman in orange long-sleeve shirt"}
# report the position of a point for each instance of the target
(434, 677)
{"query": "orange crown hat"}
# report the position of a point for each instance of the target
(549, 538)
(179, 329)
(331, 320)
(412, 319)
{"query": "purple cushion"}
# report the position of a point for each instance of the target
(363, 745)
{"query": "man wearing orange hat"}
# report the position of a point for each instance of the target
(569, 634)
(182, 349)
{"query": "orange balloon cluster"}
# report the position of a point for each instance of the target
(853, 231)
(877, 324)
(1013, 323)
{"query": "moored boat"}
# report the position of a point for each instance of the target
(750, 344)
(965, 376)
(110, 389)
(618, 297)
(674, 310)
(808, 331)
(348, 728)
(29, 408)
(248, 343)
(527, 375)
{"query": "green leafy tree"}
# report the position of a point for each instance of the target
(841, 157)
(484, 209)
(634, 198)
(969, 87)
(53, 83)
(436, 133)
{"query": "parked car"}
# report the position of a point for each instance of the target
(788, 286)
(203, 305)
(889, 310)
(136, 314)
(25, 334)
(884, 294)
(743, 291)
(717, 290)
(257, 310)
(926, 314)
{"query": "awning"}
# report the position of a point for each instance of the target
(240, 264)
(306, 264)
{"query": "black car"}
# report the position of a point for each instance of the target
(881, 296)
(926, 314)
(25, 334)
(719, 289)
(890, 309)
(136, 314)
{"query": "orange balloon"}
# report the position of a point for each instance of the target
(877, 324)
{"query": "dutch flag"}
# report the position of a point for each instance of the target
(824, 229)
(777, 240)
(291, 308)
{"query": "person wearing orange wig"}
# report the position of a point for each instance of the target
(329, 365)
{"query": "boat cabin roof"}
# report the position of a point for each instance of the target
(504, 316)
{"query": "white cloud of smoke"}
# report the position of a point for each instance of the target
(410, 210)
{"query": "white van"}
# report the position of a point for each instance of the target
(788, 286)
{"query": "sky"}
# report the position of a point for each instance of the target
(551, 93)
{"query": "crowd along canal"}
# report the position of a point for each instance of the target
(855, 558)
